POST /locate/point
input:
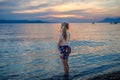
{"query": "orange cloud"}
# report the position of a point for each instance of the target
(61, 7)
(61, 16)
(89, 8)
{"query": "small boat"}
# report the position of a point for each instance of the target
(115, 22)
(93, 23)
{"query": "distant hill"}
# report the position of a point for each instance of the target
(111, 20)
(106, 20)
(22, 21)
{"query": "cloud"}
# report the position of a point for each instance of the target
(82, 9)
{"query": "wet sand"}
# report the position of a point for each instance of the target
(109, 76)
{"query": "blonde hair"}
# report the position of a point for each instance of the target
(64, 27)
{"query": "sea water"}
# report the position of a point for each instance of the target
(29, 51)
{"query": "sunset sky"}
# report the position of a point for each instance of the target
(59, 10)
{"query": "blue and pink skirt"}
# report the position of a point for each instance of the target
(65, 51)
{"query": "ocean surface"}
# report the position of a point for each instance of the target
(29, 51)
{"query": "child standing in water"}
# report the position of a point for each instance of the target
(63, 46)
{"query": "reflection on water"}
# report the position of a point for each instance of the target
(28, 51)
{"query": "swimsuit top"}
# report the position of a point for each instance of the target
(63, 41)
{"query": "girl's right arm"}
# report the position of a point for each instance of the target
(58, 45)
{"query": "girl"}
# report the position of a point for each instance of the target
(63, 46)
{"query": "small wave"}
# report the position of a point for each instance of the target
(86, 43)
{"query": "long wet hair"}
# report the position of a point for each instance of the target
(64, 27)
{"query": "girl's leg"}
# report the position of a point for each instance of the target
(65, 66)
(66, 62)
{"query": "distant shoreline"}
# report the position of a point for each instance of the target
(106, 20)
(23, 21)
(49, 22)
